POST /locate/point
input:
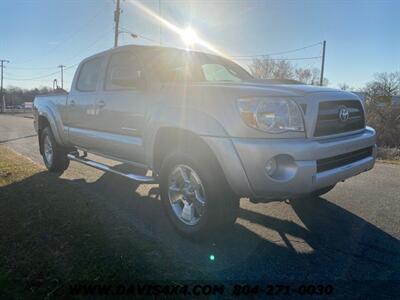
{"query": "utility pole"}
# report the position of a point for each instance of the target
(62, 75)
(2, 61)
(159, 22)
(117, 13)
(55, 84)
(321, 78)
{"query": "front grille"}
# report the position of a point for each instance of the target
(328, 121)
(304, 108)
(343, 159)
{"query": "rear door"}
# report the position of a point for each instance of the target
(81, 105)
(121, 107)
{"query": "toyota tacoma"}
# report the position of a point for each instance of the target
(205, 130)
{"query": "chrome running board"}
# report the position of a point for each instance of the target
(105, 168)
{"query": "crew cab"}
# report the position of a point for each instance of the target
(207, 132)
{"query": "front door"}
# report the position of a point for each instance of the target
(121, 108)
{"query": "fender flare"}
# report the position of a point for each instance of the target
(189, 119)
(54, 119)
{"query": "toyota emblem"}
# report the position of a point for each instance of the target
(343, 113)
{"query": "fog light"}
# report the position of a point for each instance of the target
(270, 166)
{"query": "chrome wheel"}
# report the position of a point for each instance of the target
(48, 149)
(186, 195)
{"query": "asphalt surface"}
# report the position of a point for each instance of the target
(351, 233)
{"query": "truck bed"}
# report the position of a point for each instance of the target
(55, 98)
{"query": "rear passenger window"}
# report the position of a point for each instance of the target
(89, 75)
(123, 72)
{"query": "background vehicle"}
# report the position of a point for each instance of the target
(206, 129)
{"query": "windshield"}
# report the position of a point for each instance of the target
(173, 65)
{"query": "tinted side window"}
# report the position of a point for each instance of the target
(169, 66)
(123, 72)
(89, 75)
(217, 72)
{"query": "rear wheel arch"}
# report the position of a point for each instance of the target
(49, 116)
(54, 155)
(43, 122)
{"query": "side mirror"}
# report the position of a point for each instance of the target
(128, 78)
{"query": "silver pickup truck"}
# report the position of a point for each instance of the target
(205, 130)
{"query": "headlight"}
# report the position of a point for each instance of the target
(271, 115)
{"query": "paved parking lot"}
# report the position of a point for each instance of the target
(351, 233)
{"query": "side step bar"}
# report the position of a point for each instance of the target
(105, 168)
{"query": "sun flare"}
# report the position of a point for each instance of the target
(189, 36)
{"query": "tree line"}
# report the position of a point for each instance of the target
(268, 68)
(17, 96)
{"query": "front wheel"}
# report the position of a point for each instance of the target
(54, 156)
(196, 196)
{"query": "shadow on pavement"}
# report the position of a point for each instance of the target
(331, 243)
(16, 139)
(323, 242)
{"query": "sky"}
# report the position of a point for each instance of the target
(363, 37)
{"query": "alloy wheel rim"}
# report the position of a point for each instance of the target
(186, 195)
(48, 149)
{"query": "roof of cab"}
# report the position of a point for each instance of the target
(141, 47)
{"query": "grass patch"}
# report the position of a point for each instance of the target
(53, 233)
(390, 155)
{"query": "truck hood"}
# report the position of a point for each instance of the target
(266, 88)
(219, 100)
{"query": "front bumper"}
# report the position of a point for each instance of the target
(243, 162)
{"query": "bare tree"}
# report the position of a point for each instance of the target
(385, 84)
(267, 68)
(16, 95)
(304, 75)
(381, 113)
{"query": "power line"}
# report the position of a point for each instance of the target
(79, 29)
(295, 58)
(71, 66)
(41, 76)
(91, 45)
(67, 68)
(33, 78)
(30, 68)
(135, 35)
(277, 53)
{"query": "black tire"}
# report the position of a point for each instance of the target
(322, 191)
(222, 205)
(59, 161)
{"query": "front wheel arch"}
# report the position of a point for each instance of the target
(169, 138)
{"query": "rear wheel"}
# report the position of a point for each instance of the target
(54, 156)
(195, 194)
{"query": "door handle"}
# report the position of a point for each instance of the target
(72, 103)
(101, 104)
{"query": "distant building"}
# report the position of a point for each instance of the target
(28, 105)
